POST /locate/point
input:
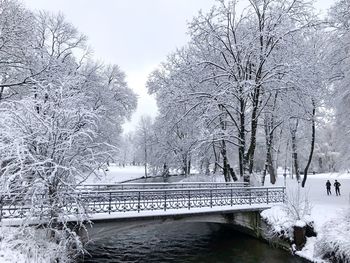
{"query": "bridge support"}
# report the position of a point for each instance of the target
(248, 222)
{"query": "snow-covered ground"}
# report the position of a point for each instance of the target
(117, 174)
(324, 207)
(325, 210)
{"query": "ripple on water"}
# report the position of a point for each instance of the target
(184, 242)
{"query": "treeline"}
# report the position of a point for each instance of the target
(255, 90)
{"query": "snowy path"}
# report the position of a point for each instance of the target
(323, 207)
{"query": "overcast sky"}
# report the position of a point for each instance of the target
(134, 34)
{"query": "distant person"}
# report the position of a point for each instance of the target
(337, 187)
(328, 186)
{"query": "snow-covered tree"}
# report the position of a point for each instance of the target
(60, 114)
(339, 60)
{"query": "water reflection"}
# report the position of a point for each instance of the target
(184, 242)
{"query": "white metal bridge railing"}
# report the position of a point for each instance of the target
(92, 201)
(182, 185)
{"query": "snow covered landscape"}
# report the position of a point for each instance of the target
(185, 131)
(116, 174)
(326, 212)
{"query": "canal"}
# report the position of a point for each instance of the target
(184, 242)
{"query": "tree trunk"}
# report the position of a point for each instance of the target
(277, 158)
(189, 166)
(1, 92)
(241, 142)
(254, 126)
(225, 166)
(269, 140)
(269, 160)
(269, 132)
(53, 210)
(320, 164)
(184, 164)
(217, 160)
(145, 169)
(206, 166)
(264, 174)
(295, 152)
(232, 173)
(271, 169)
(145, 161)
(312, 143)
(225, 162)
(165, 170)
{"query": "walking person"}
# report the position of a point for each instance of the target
(337, 187)
(328, 186)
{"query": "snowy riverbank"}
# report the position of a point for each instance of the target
(329, 214)
(33, 245)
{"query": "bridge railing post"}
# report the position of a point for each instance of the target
(110, 203)
(267, 195)
(250, 196)
(165, 200)
(139, 202)
(189, 199)
(231, 196)
(211, 197)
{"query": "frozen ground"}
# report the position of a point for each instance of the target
(326, 212)
(323, 207)
(117, 174)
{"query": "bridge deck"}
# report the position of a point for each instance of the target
(144, 200)
(175, 212)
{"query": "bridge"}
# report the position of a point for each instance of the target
(147, 200)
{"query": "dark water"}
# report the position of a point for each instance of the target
(184, 242)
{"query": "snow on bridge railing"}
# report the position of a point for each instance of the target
(182, 185)
(118, 201)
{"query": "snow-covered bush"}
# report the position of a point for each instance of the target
(294, 212)
(334, 241)
(281, 226)
(34, 245)
(297, 205)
